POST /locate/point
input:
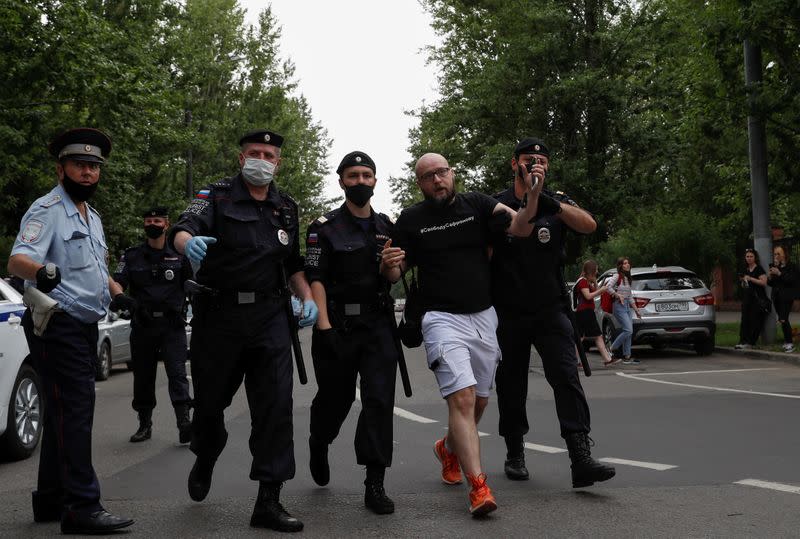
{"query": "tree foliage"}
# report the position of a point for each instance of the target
(138, 69)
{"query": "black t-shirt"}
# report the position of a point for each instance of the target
(449, 246)
(752, 290)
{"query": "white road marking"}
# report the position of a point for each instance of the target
(482, 434)
(712, 388)
(639, 464)
(399, 412)
(544, 448)
(769, 484)
(705, 372)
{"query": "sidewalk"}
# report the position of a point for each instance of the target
(724, 317)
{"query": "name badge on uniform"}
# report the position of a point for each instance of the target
(283, 237)
(544, 235)
(169, 275)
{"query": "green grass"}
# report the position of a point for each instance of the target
(728, 335)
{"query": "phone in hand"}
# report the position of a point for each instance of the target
(536, 161)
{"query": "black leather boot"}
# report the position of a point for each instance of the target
(200, 478)
(183, 422)
(269, 513)
(375, 497)
(585, 470)
(145, 427)
(515, 459)
(318, 463)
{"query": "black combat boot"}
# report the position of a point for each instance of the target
(269, 513)
(183, 422)
(585, 470)
(200, 478)
(320, 471)
(375, 497)
(145, 427)
(515, 459)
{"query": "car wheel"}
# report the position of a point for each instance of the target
(609, 334)
(25, 413)
(704, 347)
(103, 366)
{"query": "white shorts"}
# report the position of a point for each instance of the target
(462, 350)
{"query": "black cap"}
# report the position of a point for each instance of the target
(81, 144)
(356, 159)
(261, 136)
(531, 145)
(156, 211)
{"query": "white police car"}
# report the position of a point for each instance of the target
(21, 404)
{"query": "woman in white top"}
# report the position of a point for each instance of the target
(619, 286)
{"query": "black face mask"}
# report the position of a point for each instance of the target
(359, 194)
(153, 231)
(78, 191)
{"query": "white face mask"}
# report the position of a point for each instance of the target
(258, 172)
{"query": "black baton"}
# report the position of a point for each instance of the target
(293, 329)
(576, 336)
(401, 358)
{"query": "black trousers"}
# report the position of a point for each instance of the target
(148, 345)
(552, 335)
(367, 350)
(783, 307)
(752, 322)
(65, 358)
(249, 342)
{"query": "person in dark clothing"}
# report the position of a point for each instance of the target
(529, 293)
(244, 233)
(354, 332)
(783, 279)
(754, 296)
(154, 275)
(61, 250)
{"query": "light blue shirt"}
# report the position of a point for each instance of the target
(53, 230)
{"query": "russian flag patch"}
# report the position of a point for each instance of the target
(203, 193)
(312, 238)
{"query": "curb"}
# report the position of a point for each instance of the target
(792, 358)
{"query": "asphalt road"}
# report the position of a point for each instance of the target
(705, 447)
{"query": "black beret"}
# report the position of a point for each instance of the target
(356, 159)
(261, 136)
(157, 211)
(81, 144)
(531, 145)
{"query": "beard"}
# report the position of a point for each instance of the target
(441, 202)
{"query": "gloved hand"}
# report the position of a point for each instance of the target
(195, 248)
(121, 302)
(310, 313)
(46, 283)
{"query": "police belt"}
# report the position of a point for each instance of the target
(244, 297)
(355, 309)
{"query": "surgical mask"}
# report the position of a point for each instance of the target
(153, 231)
(359, 194)
(78, 191)
(258, 172)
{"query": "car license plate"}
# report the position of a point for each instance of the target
(672, 307)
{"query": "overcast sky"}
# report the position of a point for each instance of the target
(360, 65)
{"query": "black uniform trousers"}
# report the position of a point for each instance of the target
(367, 350)
(550, 331)
(65, 358)
(249, 342)
(166, 341)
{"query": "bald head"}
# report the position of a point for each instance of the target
(435, 178)
(429, 160)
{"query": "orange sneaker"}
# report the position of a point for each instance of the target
(451, 471)
(481, 500)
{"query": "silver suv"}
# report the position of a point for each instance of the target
(676, 307)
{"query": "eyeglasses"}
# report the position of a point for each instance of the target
(441, 172)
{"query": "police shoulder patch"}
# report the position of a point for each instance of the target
(32, 231)
(55, 199)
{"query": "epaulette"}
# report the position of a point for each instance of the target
(55, 199)
(94, 210)
(385, 218)
(287, 198)
(561, 196)
(222, 184)
(322, 219)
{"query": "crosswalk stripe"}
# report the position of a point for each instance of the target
(638, 464)
(769, 485)
(544, 448)
(412, 416)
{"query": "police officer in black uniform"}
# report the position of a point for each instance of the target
(354, 333)
(154, 274)
(244, 232)
(61, 250)
(531, 300)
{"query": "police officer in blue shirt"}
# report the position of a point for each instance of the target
(354, 333)
(529, 295)
(154, 274)
(61, 250)
(244, 233)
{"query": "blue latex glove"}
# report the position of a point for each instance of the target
(297, 306)
(310, 313)
(196, 247)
